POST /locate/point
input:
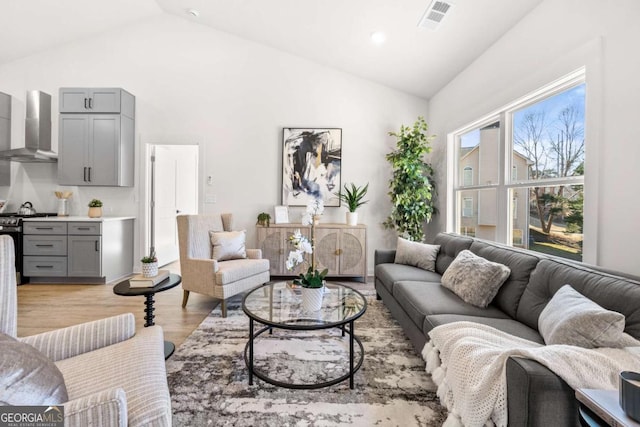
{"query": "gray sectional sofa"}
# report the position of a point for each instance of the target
(536, 396)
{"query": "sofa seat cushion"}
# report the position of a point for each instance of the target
(508, 325)
(136, 365)
(237, 269)
(388, 274)
(420, 299)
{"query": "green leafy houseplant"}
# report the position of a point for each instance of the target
(411, 187)
(95, 203)
(353, 196)
(264, 219)
(149, 258)
(312, 278)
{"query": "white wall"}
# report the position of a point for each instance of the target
(233, 97)
(554, 39)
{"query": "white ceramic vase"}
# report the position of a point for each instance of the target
(312, 299)
(352, 218)
(149, 269)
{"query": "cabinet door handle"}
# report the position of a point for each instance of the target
(90, 102)
(84, 174)
(44, 246)
(338, 252)
(84, 228)
(44, 266)
(89, 174)
(85, 103)
(44, 228)
(97, 248)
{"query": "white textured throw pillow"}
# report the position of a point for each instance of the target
(416, 254)
(475, 279)
(570, 318)
(228, 245)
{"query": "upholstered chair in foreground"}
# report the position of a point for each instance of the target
(103, 372)
(214, 260)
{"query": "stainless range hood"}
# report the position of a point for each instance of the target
(37, 144)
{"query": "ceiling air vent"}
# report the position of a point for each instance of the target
(435, 14)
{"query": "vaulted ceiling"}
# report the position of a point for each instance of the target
(334, 33)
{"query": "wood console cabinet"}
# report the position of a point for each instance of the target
(340, 248)
(96, 149)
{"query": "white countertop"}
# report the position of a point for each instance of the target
(78, 219)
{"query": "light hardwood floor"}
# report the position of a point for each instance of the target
(45, 307)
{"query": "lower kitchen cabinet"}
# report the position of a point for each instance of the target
(97, 250)
(340, 248)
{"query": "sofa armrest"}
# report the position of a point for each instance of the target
(103, 408)
(254, 253)
(384, 256)
(198, 274)
(538, 397)
(77, 339)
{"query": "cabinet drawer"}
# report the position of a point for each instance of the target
(45, 266)
(45, 245)
(42, 227)
(85, 228)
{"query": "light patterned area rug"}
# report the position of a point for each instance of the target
(209, 386)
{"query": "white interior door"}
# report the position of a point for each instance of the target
(175, 191)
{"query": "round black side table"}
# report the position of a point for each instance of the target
(124, 289)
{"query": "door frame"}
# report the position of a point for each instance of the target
(144, 208)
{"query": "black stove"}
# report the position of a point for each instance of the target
(11, 224)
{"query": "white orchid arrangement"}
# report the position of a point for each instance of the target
(314, 208)
(302, 246)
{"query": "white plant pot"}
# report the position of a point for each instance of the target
(352, 218)
(149, 269)
(312, 299)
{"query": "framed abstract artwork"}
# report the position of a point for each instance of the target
(311, 165)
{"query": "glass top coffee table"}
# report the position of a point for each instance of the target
(279, 306)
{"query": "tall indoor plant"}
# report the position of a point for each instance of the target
(353, 196)
(411, 187)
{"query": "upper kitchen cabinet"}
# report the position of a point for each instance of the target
(96, 100)
(97, 149)
(5, 137)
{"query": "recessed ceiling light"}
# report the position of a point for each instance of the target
(378, 37)
(193, 12)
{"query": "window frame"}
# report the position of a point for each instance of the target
(506, 181)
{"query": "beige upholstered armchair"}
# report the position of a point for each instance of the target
(204, 275)
(111, 375)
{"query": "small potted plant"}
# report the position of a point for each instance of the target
(95, 208)
(353, 196)
(312, 282)
(264, 219)
(150, 265)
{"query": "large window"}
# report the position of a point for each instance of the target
(524, 168)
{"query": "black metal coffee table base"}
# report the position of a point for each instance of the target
(353, 367)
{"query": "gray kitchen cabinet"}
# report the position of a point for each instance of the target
(97, 149)
(92, 100)
(84, 256)
(88, 251)
(5, 137)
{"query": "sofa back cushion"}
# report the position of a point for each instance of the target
(521, 265)
(608, 291)
(450, 246)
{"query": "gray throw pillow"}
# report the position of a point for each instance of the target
(28, 377)
(416, 254)
(573, 319)
(475, 279)
(228, 245)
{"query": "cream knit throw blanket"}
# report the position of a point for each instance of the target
(468, 363)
